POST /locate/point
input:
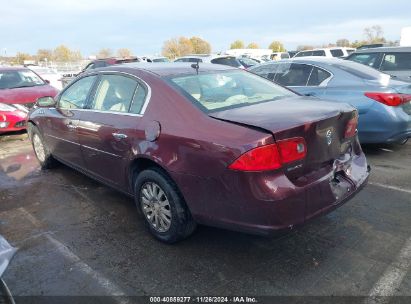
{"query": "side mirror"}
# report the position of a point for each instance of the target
(47, 81)
(45, 102)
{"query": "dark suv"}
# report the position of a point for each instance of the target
(395, 61)
(98, 63)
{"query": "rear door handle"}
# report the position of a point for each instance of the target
(71, 126)
(119, 136)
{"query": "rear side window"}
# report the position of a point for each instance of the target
(304, 54)
(139, 99)
(318, 53)
(293, 74)
(75, 96)
(114, 93)
(318, 76)
(396, 62)
(230, 61)
(369, 59)
(337, 53)
(285, 55)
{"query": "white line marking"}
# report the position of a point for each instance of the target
(392, 278)
(111, 288)
(390, 187)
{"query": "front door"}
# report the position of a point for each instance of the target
(62, 121)
(111, 127)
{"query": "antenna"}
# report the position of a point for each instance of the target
(196, 66)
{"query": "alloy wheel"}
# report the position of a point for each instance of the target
(155, 206)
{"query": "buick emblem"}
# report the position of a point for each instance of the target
(329, 137)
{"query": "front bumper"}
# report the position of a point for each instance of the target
(12, 121)
(265, 202)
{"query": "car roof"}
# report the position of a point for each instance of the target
(168, 69)
(384, 49)
(12, 68)
(307, 59)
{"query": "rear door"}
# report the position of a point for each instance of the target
(62, 122)
(111, 125)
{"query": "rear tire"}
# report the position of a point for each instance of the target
(165, 213)
(41, 150)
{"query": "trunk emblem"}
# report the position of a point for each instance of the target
(329, 137)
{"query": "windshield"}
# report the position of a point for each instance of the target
(19, 79)
(230, 89)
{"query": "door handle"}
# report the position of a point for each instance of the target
(71, 126)
(119, 136)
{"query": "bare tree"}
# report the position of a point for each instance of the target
(124, 53)
(374, 34)
(343, 42)
(104, 53)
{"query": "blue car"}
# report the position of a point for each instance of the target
(383, 104)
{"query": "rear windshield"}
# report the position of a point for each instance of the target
(358, 70)
(229, 89)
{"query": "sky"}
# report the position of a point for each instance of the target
(143, 25)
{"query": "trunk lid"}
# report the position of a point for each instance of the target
(321, 124)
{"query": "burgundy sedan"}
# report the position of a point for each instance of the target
(203, 144)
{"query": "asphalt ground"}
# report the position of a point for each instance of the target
(76, 237)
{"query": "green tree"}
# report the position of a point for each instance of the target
(238, 44)
(253, 45)
(277, 46)
(200, 46)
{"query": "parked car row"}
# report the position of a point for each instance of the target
(383, 103)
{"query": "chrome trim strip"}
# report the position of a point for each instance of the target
(108, 112)
(101, 151)
(59, 138)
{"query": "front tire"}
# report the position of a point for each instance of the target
(43, 154)
(165, 213)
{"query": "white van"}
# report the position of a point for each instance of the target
(327, 52)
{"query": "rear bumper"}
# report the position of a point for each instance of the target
(383, 124)
(264, 203)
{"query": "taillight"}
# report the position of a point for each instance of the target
(389, 99)
(352, 125)
(271, 157)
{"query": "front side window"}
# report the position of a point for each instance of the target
(12, 79)
(75, 96)
(396, 62)
(229, 89)
(318, 53)
(114, 93)
(293, 74)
